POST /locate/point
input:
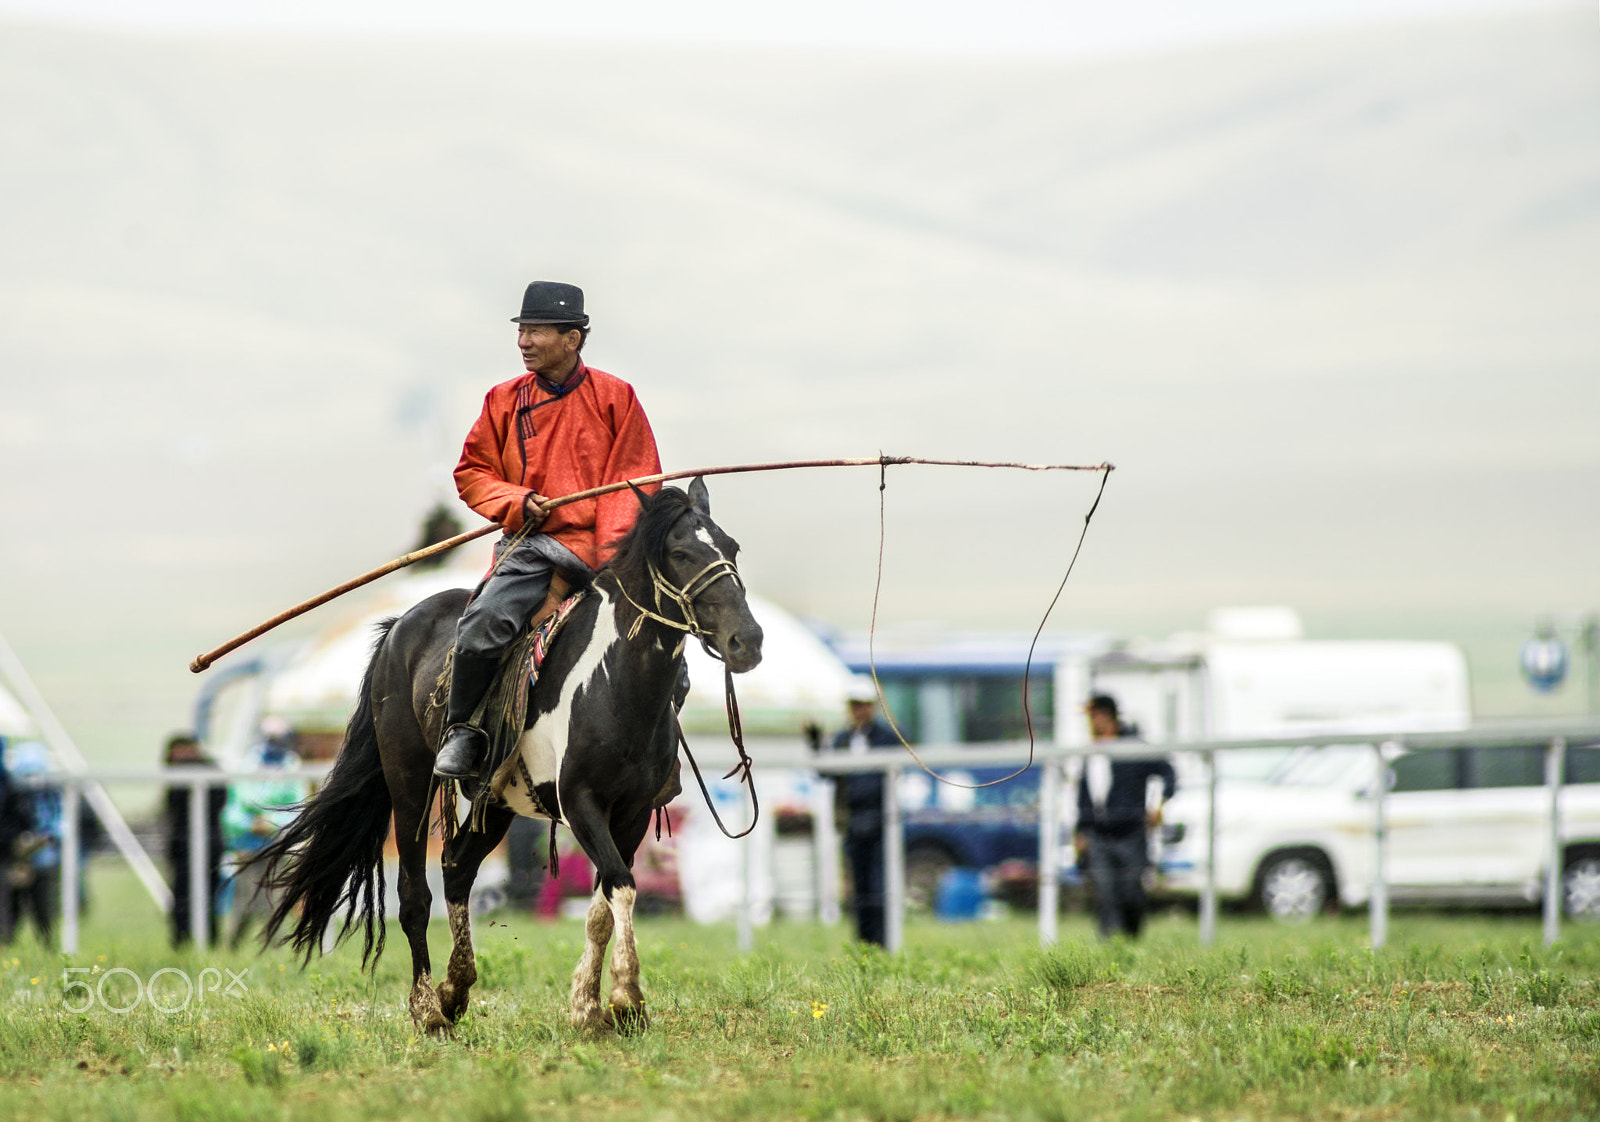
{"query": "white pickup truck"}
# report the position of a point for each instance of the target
(1464, 825)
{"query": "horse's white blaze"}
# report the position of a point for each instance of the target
(544, 746)
(704, 535)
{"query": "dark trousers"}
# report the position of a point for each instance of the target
(179, 919)
(40, 898)
(866, 870)
(1116, 869)
(508, 597)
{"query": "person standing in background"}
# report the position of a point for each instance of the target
(12, 825)
(859, 795)
(32, 817)
(183, 751)
(253, 814)
(1113, 822)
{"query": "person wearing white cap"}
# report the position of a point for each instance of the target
(861, 794)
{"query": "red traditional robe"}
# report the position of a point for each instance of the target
(530, 439)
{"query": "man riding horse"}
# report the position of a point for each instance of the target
(561, 427)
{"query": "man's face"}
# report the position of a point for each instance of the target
(548, 350)
(1102, 725)
(861, 711)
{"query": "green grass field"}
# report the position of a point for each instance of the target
(1462, 1017)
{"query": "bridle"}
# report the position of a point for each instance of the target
(683, 597)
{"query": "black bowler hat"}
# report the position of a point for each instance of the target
(553, 302)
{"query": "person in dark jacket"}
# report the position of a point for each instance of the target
(184, 751)
(30, 817)
(13, 824)
(861, 796)
(1114, 820)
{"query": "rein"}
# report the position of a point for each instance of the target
(684, 598)
(741, 769)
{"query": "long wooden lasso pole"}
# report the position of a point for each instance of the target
(203, 662)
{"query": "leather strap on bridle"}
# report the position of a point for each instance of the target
(683, 597)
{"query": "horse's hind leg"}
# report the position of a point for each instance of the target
(416, 903)
(466, 854)
(597, 926)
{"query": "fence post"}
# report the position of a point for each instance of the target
(1049, 848)
(71, 807)
(894, 864)
(826, 838)
(1379, 905)
(1208, 892)
(199, 864)
(747, 927)
(1554, 759)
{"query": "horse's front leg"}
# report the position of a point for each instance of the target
(611, 911)
(467, 851)
(626, 1010)
(586, 1013)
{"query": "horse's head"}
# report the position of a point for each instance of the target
(684, 562)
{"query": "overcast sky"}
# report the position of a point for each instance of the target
(1050, 27)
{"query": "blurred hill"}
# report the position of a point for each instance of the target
(1328, 302)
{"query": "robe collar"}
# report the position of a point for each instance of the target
(561, 389)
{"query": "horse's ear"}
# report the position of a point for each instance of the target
(699, 497)
(644, 499)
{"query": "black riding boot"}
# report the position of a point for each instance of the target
(464, 744)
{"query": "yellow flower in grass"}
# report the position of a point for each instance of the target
(818, 1008)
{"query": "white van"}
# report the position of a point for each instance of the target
(1465, 825)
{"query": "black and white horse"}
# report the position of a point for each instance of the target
(599, 745)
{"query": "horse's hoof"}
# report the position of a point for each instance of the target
(626, 1019)
(433, 1025)
(590, 1025)
(450, 1005)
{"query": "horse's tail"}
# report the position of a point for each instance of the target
(331, 855)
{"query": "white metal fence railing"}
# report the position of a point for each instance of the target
(793, 754)
(1051, 758)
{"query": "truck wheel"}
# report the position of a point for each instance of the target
(925, 867)
(1293, 887)
(1580, 887)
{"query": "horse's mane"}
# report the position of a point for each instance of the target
(648, 538)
